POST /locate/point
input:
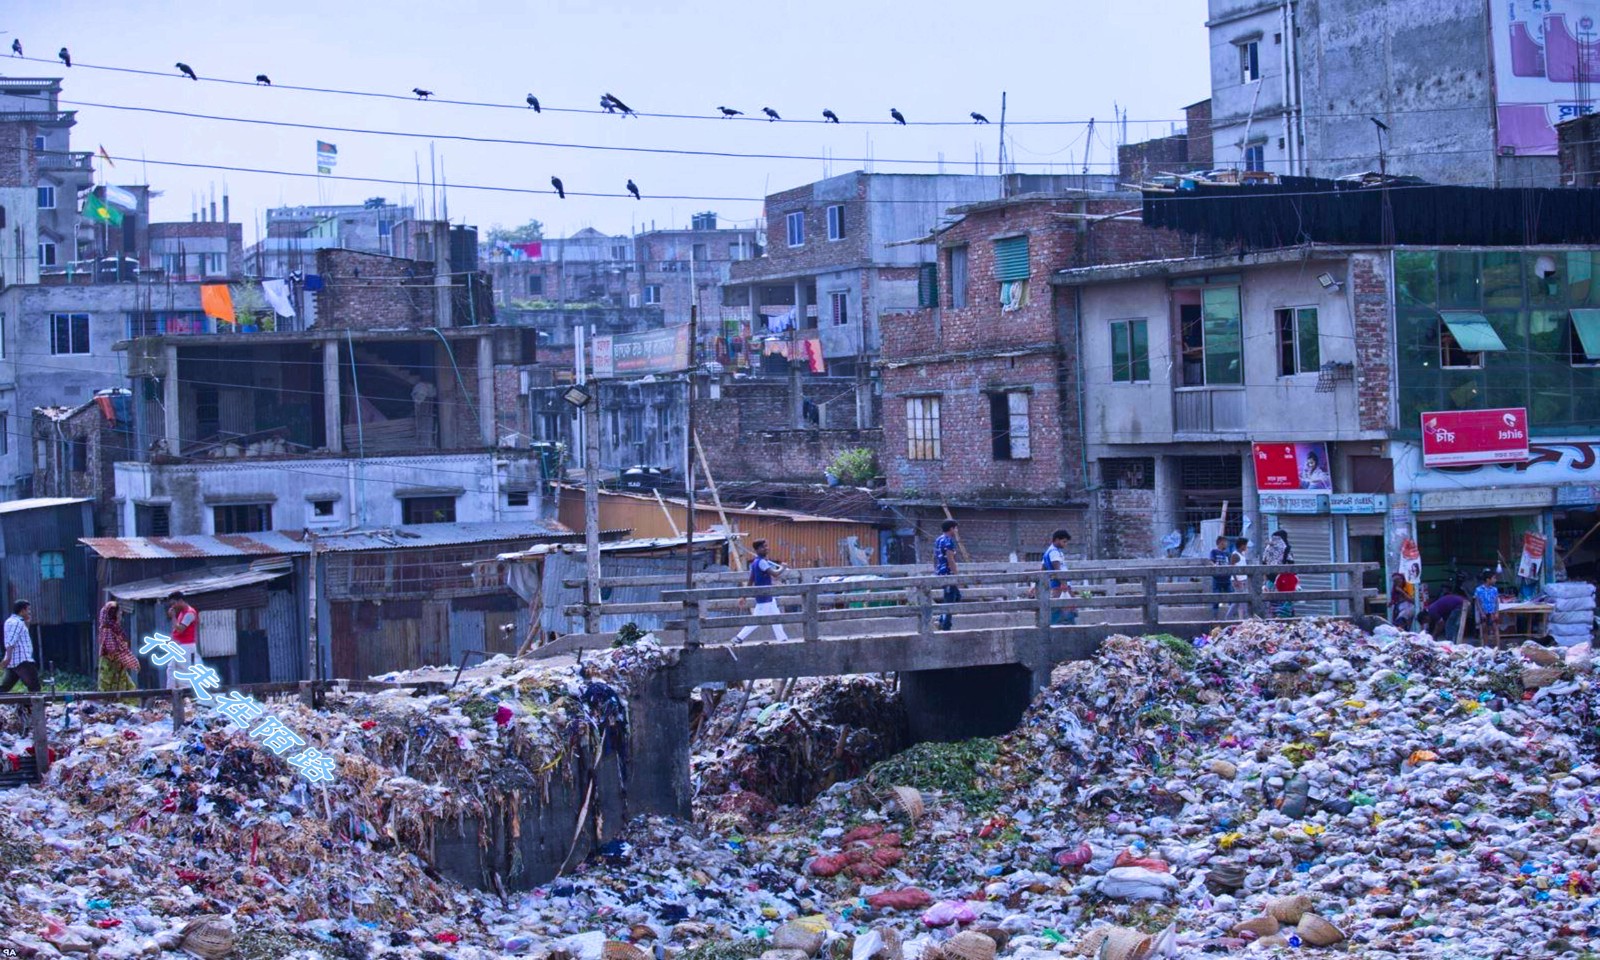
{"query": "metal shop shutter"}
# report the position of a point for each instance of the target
(1311, 538)
(1011, 259)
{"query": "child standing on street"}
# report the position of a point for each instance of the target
(1486, 604)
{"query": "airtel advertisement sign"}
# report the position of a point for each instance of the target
(1464, 438)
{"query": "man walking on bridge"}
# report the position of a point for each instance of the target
(762, 571)
(944, 565)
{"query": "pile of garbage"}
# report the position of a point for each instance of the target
(786, 751)
(140, 833)
(1280, 786)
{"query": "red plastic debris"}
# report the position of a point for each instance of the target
(1076, 857)
(908, 898)
(1126, 859)
(447, 936)
(828, 866)
(863, 832)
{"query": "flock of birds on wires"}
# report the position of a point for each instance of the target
(609, 103)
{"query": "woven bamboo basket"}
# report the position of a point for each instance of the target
(208, 937)
(1318, 932)
(909, 800)
(1000, 937)
(1289, 910)
(1260, 926)
(1090, 945)
(617, 950)
(1126, 944)
(969, 945)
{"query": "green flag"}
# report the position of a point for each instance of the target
(95, 210)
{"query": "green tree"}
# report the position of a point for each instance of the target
(532, 230)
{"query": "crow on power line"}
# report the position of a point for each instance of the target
(533, 102)
(605, 103)
(618, 103)
(16, 47)
(264, 79)
(898, 116)
(633, 189)
(978, 117)
(730, 112)
(771, 113)
(186, 70)
(830, 116)
(561, 191)
(421, 93)
(66, 57)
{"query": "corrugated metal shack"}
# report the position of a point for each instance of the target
(797, 539)
(409, 597)
(45, 566)
(540, 573)
(251, 589)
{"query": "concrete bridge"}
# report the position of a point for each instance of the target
(975, 679)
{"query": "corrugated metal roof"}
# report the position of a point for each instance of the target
(615, 546)
(440, 535)
(197, 545)
(39, 503)
(205, 581)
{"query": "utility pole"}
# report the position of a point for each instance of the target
(688, 443)
(591, 494)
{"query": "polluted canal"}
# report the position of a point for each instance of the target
(1278, 788)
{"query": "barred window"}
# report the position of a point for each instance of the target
(922, 429)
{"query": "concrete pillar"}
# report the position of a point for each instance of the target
(797, 400)
(170, 401)
(486, 390)
(332, 404)
(658, 731)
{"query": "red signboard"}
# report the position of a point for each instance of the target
(1461, 438)
(1291, 466)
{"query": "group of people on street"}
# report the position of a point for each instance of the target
(119, 664)
(1442, 616)
(1234, 552)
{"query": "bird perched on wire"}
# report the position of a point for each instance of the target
(730, 112)
(978, 117)
(262, 78)
(830, 116)
(771, 113)
(421, 93)
(605, 103)
(16, 47)
(64, 56)
(633, 188)
(561, 191)
(898, 116)
(186, 70)
(618, 104)
(533, 102)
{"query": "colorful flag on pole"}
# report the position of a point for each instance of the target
(106, 156)
(119, 197)
(327, 156)
(96, 211)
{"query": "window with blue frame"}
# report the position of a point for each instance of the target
(52, 565)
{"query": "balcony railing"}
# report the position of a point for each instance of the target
(75, 160)
(1208, 410)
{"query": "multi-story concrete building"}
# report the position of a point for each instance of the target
(1181, 152)
(195, 250)
(295, 234)
(1465, 93)
(37, 136)
(839, 254)
(981, 387)
(681, 268)
(588, 267)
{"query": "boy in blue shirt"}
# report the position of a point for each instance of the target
(1487, 601)
(944, 565)
(1055, 558)
(1220, 557)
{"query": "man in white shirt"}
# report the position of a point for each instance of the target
(1055, 558)
(19, 658)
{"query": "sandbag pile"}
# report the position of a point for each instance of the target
(1572, 623)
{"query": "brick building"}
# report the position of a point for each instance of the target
(1182, 152)
(75, 449)
(981, 408)
(678, 268)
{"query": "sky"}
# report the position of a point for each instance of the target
(1056, 60)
